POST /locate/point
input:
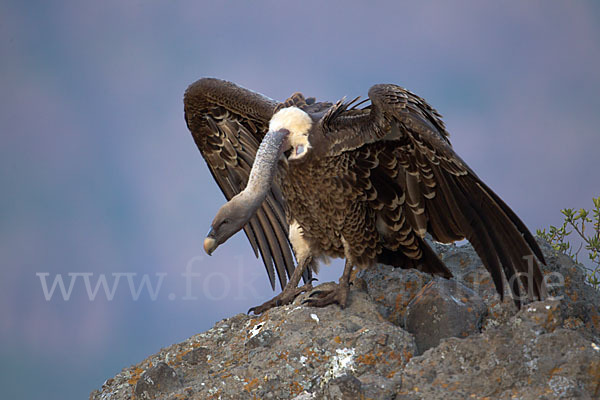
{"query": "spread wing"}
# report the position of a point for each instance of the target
(418, 184)
(228, 123)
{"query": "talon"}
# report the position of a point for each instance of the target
(311, 299)
(286, 297)
(325, 297)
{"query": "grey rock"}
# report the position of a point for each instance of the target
(379, 387)
(547, 350)
(263, 339)
(529, 357)
(392, 289)
(443, 308)
(198, 356)
(156, 382)
(345, 387)
(311, 349)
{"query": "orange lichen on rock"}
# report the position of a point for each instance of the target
(137, 372)
(250, 384)
(283, 355)
(295, 388)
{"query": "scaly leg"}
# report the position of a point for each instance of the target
(339, 295)
(289, 292)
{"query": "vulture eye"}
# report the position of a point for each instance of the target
(223, 223)
(299, 149)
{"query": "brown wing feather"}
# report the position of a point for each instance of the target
(228, 123)
(435, 191)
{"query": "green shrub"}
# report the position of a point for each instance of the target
(587, 229)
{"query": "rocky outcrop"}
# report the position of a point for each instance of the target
(404, 335)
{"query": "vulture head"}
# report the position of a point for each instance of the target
(288, 130)
(230, 218)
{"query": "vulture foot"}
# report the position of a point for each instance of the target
(325, 297)
(285, 297)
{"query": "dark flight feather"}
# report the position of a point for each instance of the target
(228, 123)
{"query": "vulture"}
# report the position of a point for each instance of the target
(308, 181)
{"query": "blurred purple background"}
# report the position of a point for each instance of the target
(99, 174)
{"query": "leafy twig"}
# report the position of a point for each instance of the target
(576, 221)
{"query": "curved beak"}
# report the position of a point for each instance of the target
(210, 244)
